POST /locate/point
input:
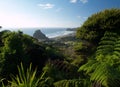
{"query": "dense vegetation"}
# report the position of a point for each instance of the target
(96, 25)
(91, 61)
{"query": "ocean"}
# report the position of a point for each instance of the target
(49, 32)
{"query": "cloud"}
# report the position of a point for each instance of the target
(84, 1)
(46, 6)
(82, 18)
(85, 18)
(73, 1)
(20, 20)
(79, 17)
(59, 9)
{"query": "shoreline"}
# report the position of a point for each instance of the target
(68, 37)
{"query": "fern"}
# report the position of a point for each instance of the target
(117, 48)
(106, 74)
(73, 83)
(61, 69)
(89, 67)
(104, 69)
(107, 44)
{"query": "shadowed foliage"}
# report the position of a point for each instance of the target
(96, 25)
(105, 67)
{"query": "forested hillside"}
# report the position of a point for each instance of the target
(92, 59)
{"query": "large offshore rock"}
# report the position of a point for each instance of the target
(40, 36)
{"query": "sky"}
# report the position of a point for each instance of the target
(50, 13)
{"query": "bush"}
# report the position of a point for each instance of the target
(96, 25)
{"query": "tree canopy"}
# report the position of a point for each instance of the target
(16, 47)
(96, 25)
(103, 29)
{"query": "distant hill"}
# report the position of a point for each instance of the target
(71, 29)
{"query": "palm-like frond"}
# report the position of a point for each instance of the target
(25, 79)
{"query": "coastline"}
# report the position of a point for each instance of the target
(64, 36)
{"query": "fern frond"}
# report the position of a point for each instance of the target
(105, 74)
(73, 83)
(88, 67)
(104, 69)
(109, 45)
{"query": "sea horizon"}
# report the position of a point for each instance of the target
(50, 32)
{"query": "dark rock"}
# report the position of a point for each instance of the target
(40, 36)
(0, 26)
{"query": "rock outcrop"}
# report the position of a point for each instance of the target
(40, 36)
(0, 26)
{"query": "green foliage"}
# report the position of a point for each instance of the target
(73, 83)
(46, 82)
(10, 51)
(53, 72)
(109, 48)
(1, 35)
(95, 26)
(84, 50)
(25, 78)
(103, 73)
(53, 53)
(16, 47)
(103, 28)
(84, 47)
(1, 83)
(89, 66)
(59, 70)
(79, 60)
(13, 51)
(106, 75)
(81, 47)
(104, 69)
(28, 78)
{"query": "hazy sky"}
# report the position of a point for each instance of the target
(50, 13)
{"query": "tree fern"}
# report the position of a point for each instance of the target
(60, 70)
(117, 48)
(109, 55)
(105, 74)
(89, 67)
(73, 83)
(107, 44)
(104, 68)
